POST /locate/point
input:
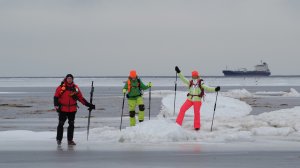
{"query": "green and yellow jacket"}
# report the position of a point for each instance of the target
(135, 88)
(195, 90)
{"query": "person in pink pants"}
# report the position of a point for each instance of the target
(194, 97)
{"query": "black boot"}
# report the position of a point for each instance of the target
(71, 143)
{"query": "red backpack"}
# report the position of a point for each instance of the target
(199, 83)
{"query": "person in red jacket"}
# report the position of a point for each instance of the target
(65, 103)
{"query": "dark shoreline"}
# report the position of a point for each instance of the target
(167, 76)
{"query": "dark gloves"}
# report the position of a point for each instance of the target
(58, 108)
(218, 88)
(177, 69)
(91, 106)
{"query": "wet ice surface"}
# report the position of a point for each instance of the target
(147, 159)
(46, 154)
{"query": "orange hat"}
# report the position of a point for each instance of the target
(195, 74)
(132, 74)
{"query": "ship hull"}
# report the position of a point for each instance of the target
(246, 73)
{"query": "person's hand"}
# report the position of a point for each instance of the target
(124, 91)
(91, 106)
(218, 88)
(57, 108)
(149, 84)
(177, 69)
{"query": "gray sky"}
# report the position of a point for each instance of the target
(94, 37)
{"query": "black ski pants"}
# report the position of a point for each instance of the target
(62, 117)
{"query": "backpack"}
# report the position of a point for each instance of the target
(129, 84)
(199, 83)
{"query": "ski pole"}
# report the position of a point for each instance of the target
(149, 102)
(175, 95)
(212, 122)
(90, 110)
(122, 112)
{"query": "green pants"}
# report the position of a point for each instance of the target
(132, 103)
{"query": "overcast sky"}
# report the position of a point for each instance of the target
(110, 37)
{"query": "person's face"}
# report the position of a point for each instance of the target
(70, 80)
(195, 77)
(133, 78)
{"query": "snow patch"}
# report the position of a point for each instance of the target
(226, 107)
(272, 131)
(293, 93)
(160, 130)
(237, 93)
(264, 93)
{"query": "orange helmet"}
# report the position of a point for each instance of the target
(195, 74)
(132, 74)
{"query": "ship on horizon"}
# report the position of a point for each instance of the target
(260, 70)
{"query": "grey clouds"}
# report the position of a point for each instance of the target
(55, 37)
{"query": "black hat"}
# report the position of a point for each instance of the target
(70, 75)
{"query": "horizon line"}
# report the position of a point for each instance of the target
(146, 76)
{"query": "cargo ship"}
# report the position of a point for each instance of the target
(260, 70)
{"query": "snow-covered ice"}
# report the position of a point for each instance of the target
(291, 93)
(237, 93)
(232, 124)
(226, 107)
(243, 93)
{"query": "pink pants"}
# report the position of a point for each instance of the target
(185, 107)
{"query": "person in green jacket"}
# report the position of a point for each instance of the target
(134, 88)
(194, 97)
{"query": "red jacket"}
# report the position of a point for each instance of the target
(66, 97)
